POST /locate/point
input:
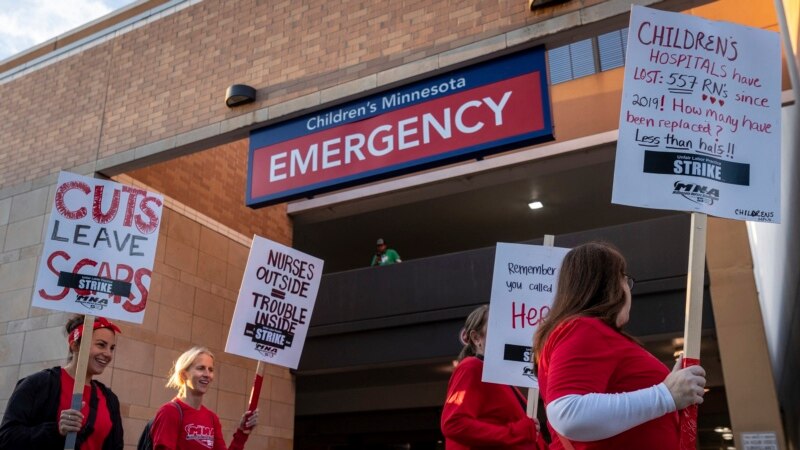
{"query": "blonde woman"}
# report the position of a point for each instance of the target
(184, 423)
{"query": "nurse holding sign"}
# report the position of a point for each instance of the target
(699, 131)
(483, 406)
(97, 260)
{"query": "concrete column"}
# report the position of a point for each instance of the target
(752, 399)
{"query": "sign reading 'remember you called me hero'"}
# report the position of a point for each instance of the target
(700, 118)
(99, 249)
(483, 109)
(275, 302)
(523, 288)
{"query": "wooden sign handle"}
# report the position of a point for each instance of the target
(255, 393)
(80, 374)
(694, 287)
(694, 320)
(533, 393)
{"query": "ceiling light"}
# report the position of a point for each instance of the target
(535, 205)
(722, 430)
(727, 436)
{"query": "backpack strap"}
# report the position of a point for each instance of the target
(180, 410)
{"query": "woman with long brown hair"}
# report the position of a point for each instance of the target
(484, 415)
(601, 389)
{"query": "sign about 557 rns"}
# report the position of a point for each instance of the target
(700, 117)
(99, 249)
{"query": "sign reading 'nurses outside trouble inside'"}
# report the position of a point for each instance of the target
(523, 288)
(483, 109)
(99, 249)
(275, 302)
(700, 118)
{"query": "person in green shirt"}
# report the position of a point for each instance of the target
(384, 256)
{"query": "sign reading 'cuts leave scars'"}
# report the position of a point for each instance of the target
(700, 118)
(99, 249)
(275, 302)
(483, 109)
(523, 287)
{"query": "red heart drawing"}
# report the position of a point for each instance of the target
(721, 102)
(705, 96)
(713, 100)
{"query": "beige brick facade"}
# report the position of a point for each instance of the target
(168, 76)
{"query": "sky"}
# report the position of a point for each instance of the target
(27, 23)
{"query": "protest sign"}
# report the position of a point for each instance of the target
(523, 286)
(99, 249)
(700, 117)
(275, 302)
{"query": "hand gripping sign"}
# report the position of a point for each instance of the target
(97, 257)
(274, 307)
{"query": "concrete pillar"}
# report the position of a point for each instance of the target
(752, 399)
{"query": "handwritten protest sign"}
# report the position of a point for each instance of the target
(523, 286)
(99, 249)
(275, 302)
(700, 118)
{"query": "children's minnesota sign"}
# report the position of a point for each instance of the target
(275, 302)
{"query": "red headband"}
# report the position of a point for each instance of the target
(99, 322)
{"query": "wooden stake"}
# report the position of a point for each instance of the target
(694, 321)
(80, 374)
(533, 393)
(694, 287)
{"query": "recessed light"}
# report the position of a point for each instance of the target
(535, 205)
(727, 436)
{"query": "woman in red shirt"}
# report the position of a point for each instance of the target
(39, 414)
(601, 389)
(484, 415)
(184, 423)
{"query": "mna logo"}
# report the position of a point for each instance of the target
(696, 193)
(527, 371)
(266, 350)
(92, 302)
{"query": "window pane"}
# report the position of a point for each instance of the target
(582, 54)
(624, 33)
(560, 67)
(612, 53)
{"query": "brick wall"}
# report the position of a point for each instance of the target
(213, 182)
(169, 76)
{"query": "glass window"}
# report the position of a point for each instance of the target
(588, 56)
(611, 47)
(582, 54)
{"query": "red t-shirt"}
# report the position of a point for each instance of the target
(199, 429)
(584, 355)
(485, 415)
(102, 422)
